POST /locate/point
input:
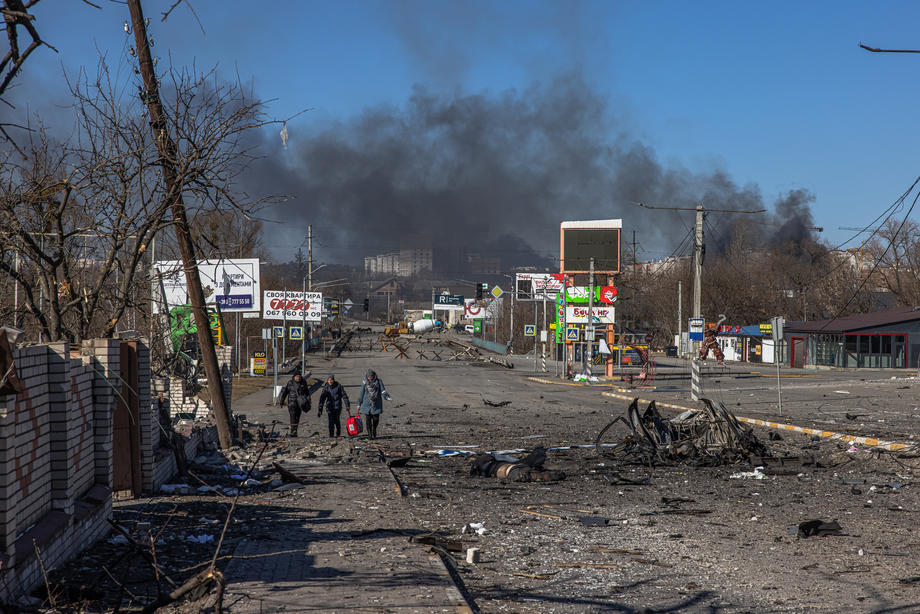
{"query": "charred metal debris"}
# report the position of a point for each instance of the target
(709, 437)
(528, 469)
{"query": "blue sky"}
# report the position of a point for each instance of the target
(774, 94)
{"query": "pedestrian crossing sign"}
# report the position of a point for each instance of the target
(295, 333)
(530, 330)
(278, 331)
(571, 333)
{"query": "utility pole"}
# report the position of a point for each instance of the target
(310, 270)
(698, 246)
(16, 293)
(680, 318)
(589, 338)
(168, 154)
(511, 334)
(698, 262)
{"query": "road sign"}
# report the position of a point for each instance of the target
(589, 333)
(279, 331)
(295, 333)
(530, 330)
(777, 328)
(348, 302)
(571, 333)
(266, 333)
(497, 292)
(477, 325)
(696, 329)
(543, 336)
(471, 310)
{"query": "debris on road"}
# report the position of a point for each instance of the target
(818, 528)
(528, 469)
(712, 436)
(495, 403)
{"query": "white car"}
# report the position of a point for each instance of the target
(469, 328)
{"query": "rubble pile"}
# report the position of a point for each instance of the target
(710, 437)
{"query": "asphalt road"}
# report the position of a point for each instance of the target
(724, 546)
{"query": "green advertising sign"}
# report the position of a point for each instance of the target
(477, 325)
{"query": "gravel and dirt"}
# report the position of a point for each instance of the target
(614, 536)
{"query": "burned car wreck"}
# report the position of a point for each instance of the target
(709, 437)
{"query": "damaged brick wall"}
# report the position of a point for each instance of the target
(55, 458)
(57, 442)
(184, 403)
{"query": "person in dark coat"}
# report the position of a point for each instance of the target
(297, 394)
(333, 398)
(370, 400)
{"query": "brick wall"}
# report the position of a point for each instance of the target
(184, 404)
(56, 451)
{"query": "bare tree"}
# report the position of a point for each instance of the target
(77, 217)
(16, 19)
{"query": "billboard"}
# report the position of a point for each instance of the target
(537, 286)
(292, 305)
(232, 284)
(578, 314)
(580, 294)
(449, 302)
(579, 241)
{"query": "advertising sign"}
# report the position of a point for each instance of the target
(580, 294)
(582, 240)
(538, 286)
(471, 310)
(232, 284)
(449, 302)
(292, 305)
(257, 366)
(578, 314)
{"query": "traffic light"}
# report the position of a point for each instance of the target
(478, 292)
(367, 305)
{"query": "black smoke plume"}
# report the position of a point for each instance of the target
(491, 174)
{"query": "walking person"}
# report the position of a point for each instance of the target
(297, 394)
(370, 400)
(333, 398)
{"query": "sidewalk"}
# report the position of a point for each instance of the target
(340, 543)
(324, 548)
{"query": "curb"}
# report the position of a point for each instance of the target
(542, 380)
(865, 441)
